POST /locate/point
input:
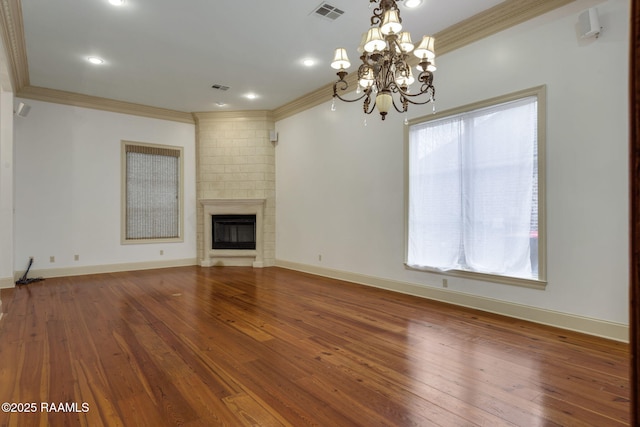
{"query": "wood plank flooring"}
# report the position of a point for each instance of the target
(239, 346)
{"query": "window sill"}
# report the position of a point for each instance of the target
(485, 277)
(145, 241)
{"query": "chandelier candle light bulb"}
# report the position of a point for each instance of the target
(391, 23)
(374, 41)
(406, 45)
(426, 49)
(385, 74)
(340, 59)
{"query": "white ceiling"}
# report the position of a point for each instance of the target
(168, 53)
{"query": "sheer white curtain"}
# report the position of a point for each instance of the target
(471, 181)
(435, 191)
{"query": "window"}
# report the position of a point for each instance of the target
(152, 195)
(476, 191)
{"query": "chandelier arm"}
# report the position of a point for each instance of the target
(366, 104)
(345, 86)
(396, 107)
(348, 100)
(409, 97)
(418, 102)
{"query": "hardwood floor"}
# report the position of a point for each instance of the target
(267, 347)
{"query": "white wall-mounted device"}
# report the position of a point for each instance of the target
(23, 109)
(589, 23)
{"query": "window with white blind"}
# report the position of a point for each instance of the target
(152, 193)
(475, 190)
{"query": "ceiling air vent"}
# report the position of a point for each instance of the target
(325, 10)
(220, 87)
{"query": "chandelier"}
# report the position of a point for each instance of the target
(385, 75)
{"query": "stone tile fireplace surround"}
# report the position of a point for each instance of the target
(235, 175)
(236, 257)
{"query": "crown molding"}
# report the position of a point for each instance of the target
(219, 116)
(491, 21)
(311, 99)
(105, 104)
(12, 33)
(505, 15)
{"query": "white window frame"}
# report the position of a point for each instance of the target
(540, 283)
(123, 210)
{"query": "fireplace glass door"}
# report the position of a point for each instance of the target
(233, 231)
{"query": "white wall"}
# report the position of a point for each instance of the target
(6, 189)
(340, 187)
(68, 186)
(6, 173)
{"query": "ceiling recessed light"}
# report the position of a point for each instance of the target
(220, 104)
(251, 96)
(309, 62)
(412, 3)
(95, 60)
(116, 2)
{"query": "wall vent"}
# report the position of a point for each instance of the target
(325, 10)
(220, 87)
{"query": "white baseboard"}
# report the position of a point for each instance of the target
(596, 327)
(7, 282)
(107, 268)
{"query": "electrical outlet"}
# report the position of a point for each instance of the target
(161, 252)
(76, 257)
(445, 283)
(52, 259)
(319, 257)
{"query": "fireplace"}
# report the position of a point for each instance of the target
(233, 231)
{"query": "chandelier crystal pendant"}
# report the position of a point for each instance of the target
(385, 74)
